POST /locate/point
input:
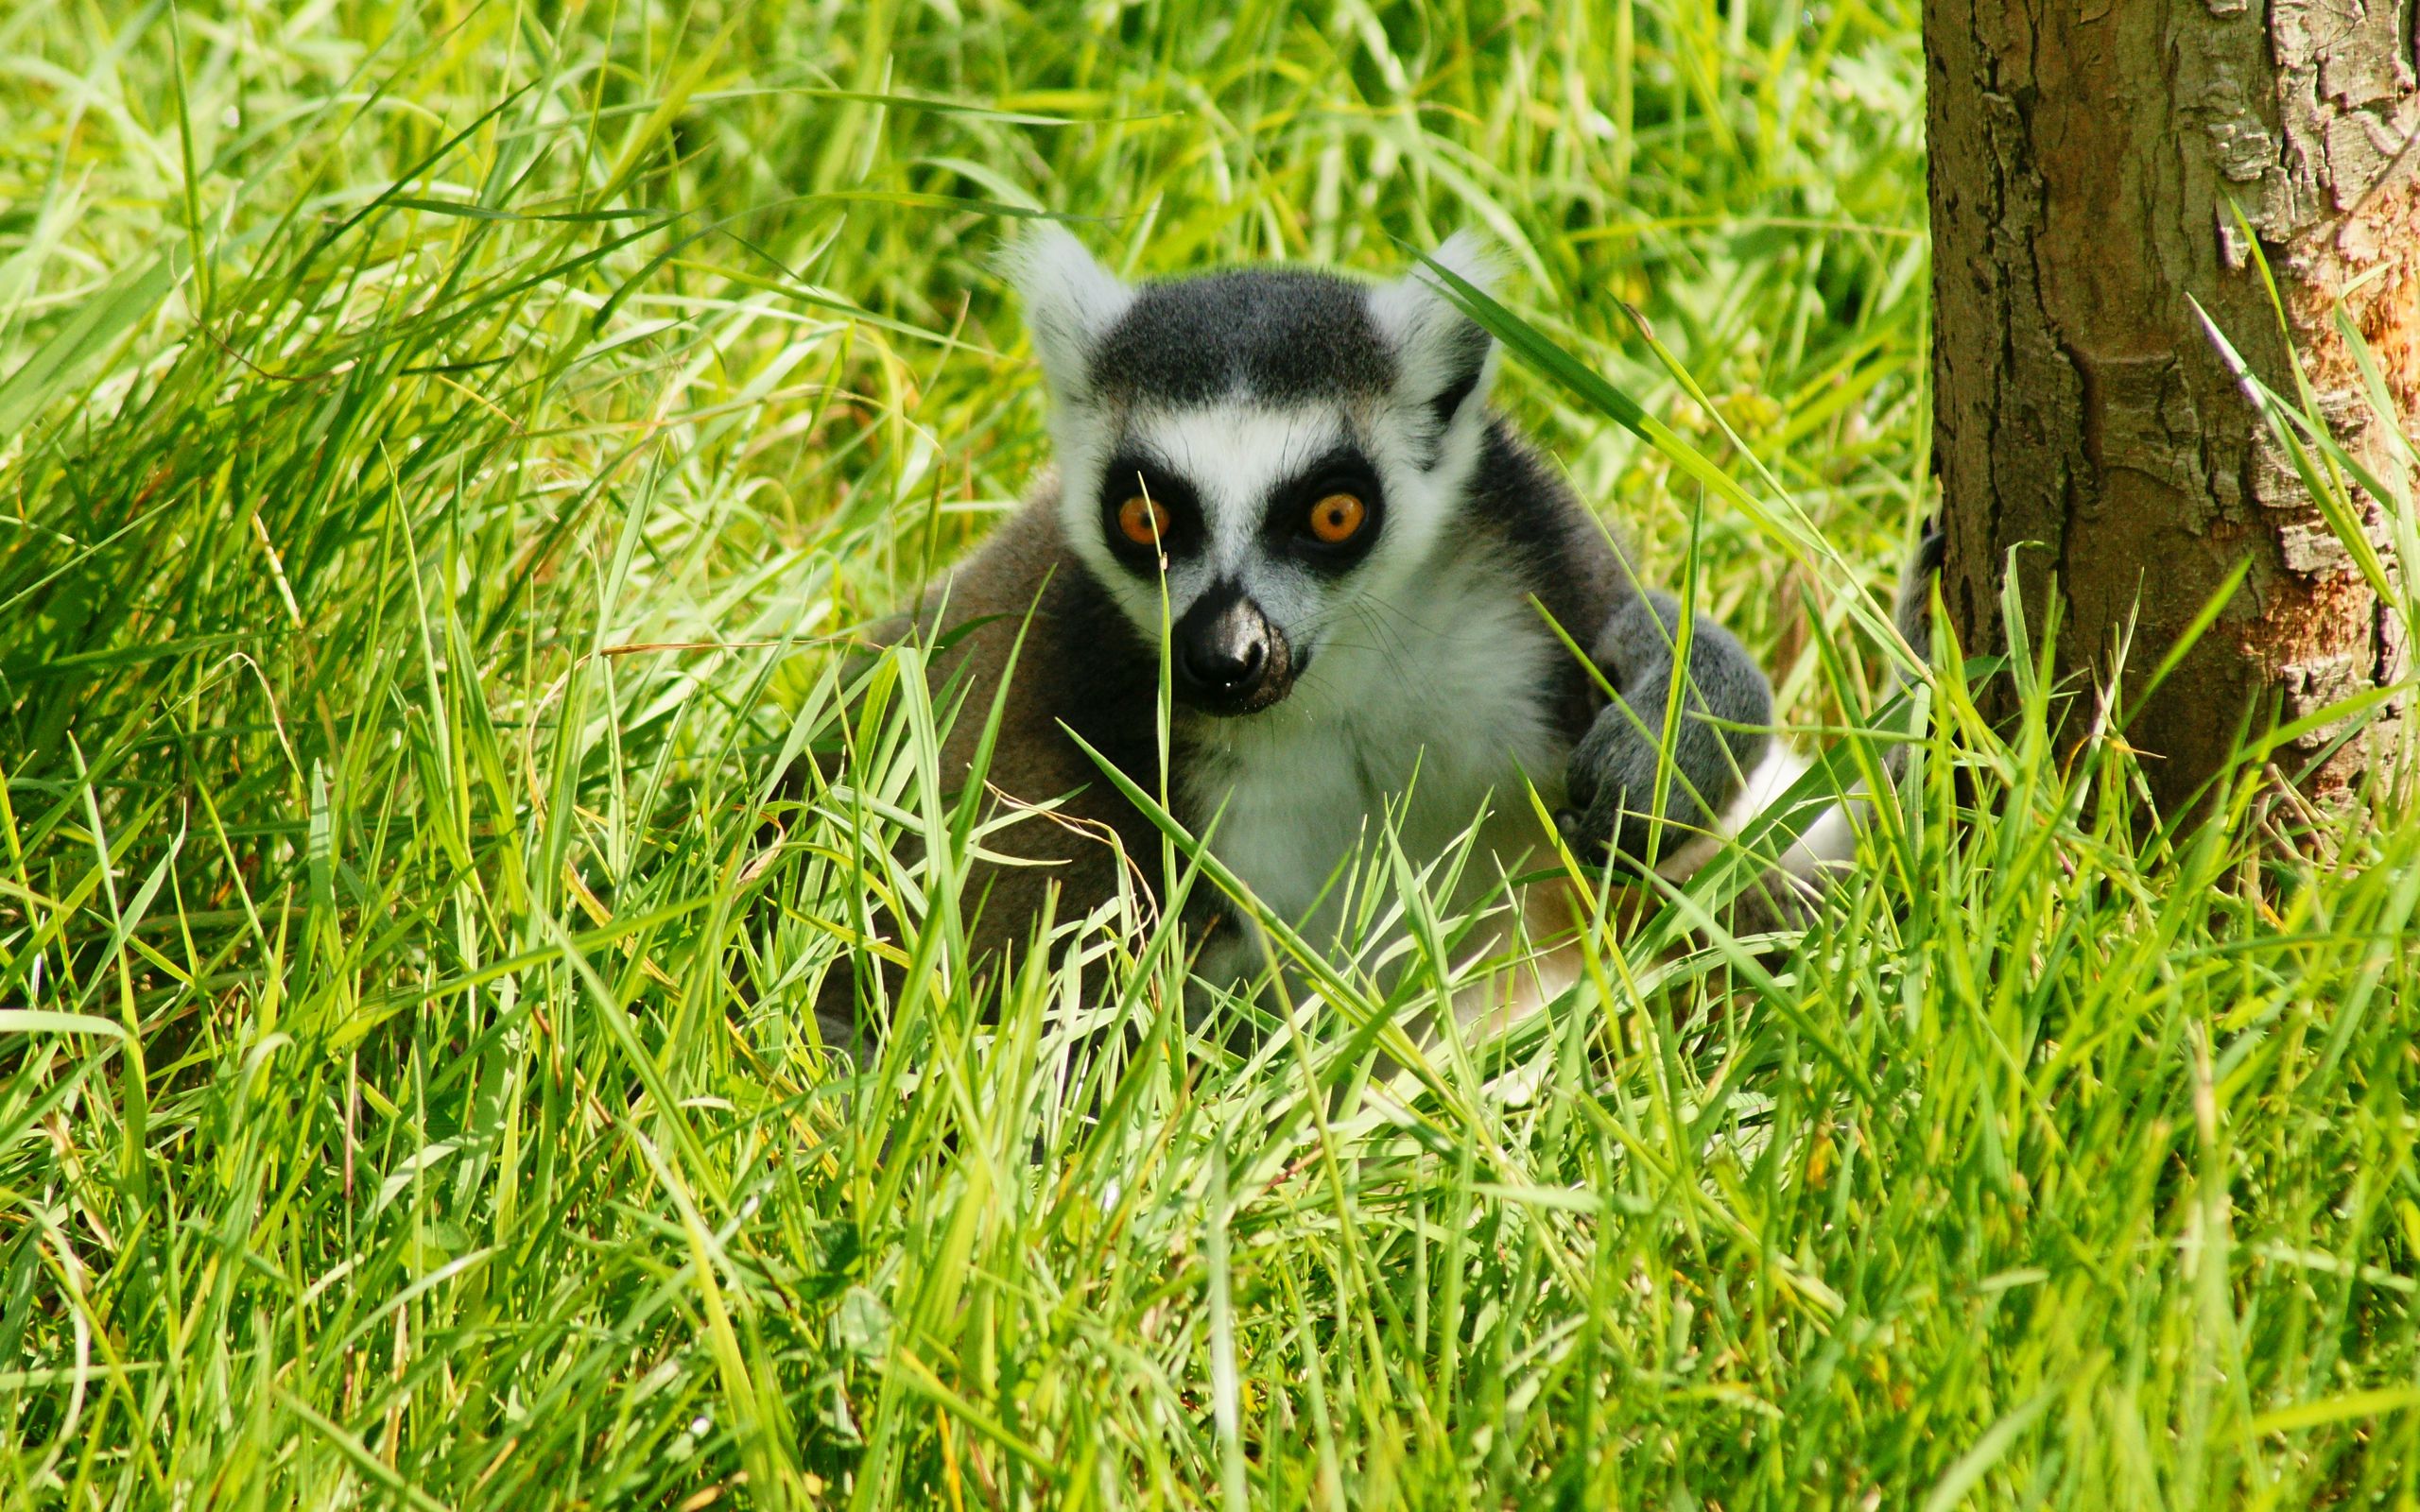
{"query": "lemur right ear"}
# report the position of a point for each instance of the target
(1446, 358)
(1071, 301)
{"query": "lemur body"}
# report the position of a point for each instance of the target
(1354, 562)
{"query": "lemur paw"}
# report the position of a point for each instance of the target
(1611, 785)
(1626, 756)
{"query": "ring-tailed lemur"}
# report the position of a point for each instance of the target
(1356, 560)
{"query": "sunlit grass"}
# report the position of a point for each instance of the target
(437, 452)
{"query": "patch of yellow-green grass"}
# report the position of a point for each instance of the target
(436, 445)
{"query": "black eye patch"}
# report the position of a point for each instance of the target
(1131, 476)
(1292, 527)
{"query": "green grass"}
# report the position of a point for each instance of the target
(433, 449)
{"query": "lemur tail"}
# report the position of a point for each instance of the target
(1912, 611)
(1828, 843)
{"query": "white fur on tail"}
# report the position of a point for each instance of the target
(1822, 850)
(1828, 843)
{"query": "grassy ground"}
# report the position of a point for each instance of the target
(431, 440)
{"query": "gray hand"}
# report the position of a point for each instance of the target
(1612, 778)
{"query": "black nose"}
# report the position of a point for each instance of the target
(1227, 657)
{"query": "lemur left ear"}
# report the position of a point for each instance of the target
(1446, 358)
(1071, 301)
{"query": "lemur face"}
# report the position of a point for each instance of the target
(1252, 459)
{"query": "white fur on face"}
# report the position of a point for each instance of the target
(1236, 453)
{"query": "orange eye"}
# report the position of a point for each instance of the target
(1145, 523)
(1338, 517)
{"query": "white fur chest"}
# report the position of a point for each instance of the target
(1443, 699)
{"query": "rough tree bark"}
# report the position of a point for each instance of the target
(2085, 154)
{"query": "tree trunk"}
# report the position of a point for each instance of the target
(2084, 155)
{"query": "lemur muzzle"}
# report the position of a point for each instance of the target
(1227, 658)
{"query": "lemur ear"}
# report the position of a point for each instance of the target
(1071, 301)
(1446, 358)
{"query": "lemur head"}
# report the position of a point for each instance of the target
(1270, 449)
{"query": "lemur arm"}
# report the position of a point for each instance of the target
(1722, 733)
